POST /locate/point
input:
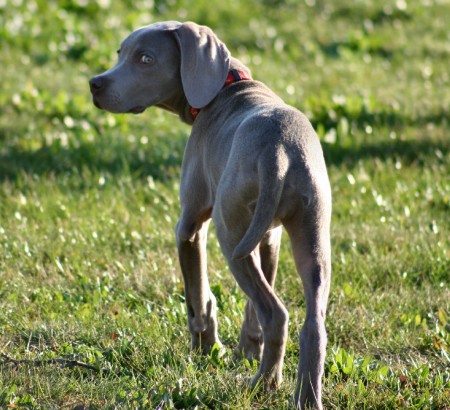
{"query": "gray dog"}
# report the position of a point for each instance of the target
(252, 164)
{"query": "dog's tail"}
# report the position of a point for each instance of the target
(271, 183)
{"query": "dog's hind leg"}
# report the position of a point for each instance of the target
(311, 247)
(270, 312)
(251, 338)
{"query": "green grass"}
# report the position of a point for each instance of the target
(88, 205)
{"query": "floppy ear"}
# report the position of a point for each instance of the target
(205, 61)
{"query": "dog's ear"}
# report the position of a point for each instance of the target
(205, 62)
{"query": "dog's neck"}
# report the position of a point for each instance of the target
(238, 65)
(179, 105)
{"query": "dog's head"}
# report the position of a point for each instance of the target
(158, 62)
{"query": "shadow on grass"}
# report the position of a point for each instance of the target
(162, 165)
(334, 49)
(328, 115)
(161, 161)
(407, 152)
(161, 157)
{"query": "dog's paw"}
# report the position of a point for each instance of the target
(261, 383)
(249, 348)
(205, 342)
(249, 354)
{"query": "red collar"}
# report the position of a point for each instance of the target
(232, 77)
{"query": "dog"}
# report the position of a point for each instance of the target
(252, 164)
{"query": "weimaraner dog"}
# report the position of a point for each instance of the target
(253, 164)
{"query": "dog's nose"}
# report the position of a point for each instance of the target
(97, 83)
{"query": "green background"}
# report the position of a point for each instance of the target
(89, 201)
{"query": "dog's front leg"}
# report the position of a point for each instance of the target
(201, 303)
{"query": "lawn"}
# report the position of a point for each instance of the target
(92, 312)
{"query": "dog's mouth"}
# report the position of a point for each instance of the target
(138, 109)
(96, 103)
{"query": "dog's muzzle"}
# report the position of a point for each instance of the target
(97, 85)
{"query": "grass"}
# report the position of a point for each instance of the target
(88, 205)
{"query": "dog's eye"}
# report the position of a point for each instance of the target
(146, 59)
